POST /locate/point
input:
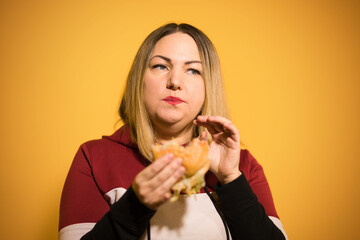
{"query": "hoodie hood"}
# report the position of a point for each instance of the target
(122, 136)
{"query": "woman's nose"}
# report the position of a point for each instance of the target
(175, 81)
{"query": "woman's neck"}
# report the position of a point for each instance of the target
(167, 134)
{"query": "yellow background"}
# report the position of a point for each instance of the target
(291, 70)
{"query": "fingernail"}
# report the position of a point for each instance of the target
(178, 161)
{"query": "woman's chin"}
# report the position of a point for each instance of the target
(172, 121)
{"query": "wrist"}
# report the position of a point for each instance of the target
(229, 178)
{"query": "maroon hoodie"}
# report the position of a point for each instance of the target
(97, 199)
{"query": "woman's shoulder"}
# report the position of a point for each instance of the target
(117, 147)
(119, 139)
(246, 158)
(114, 160)
(248, 163)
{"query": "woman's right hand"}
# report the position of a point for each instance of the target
(152, 185)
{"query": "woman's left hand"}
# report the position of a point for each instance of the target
(224, 148)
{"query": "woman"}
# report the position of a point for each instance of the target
(114, 191)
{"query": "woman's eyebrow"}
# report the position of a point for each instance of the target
(194, 61)
(169, 60)
(160, 56)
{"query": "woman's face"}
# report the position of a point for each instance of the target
(174, 89)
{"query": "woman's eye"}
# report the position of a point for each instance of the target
(194, 71)
(159, 66)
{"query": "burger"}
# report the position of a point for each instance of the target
(195, 159)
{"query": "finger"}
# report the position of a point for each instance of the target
(161, 193)
(208, 126)
(223, 124)
(219, 127)
(201, 118)
(154, 168)
(165, 186)
(218, 120)
(166, 173)
(152, 191)
(213, 128)
(203, 136)
(233, 131)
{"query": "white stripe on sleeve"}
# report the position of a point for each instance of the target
(278, 223)
(75, 231)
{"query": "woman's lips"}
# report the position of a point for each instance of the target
(173, 100)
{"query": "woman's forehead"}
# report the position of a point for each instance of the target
(177, 46)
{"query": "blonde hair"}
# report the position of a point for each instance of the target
(132, 109)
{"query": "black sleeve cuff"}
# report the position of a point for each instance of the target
(127, 219)
(130, 213)
(237, 192)
(245, 216)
